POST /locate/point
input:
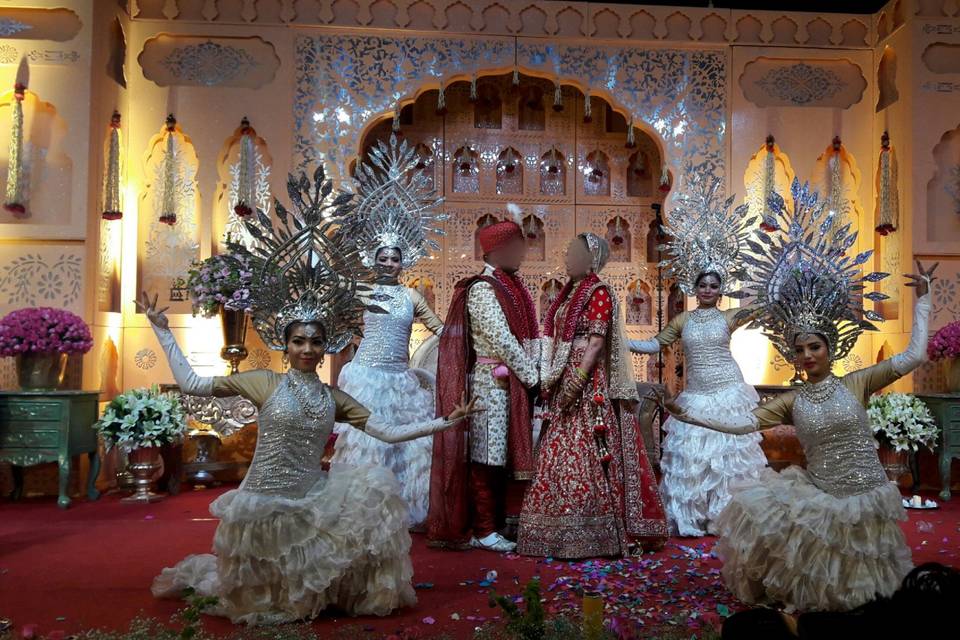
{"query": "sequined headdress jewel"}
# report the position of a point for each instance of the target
(704, 235)
(804, 279)
(396, 205)
(302, 273)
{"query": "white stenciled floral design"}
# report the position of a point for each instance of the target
(208, 63)
(31, 280)
(10, 27)
(145, 359)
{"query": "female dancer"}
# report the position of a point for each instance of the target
(293, 540)
(594, 492)
(698, 465)
(379, 377)
(825, 537)
(391, 228)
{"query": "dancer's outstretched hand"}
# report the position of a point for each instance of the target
(922, 279)
(668, 401)
(149, 307)
(464, 410)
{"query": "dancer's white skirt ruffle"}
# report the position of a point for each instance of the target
(395, 397)
(345, 545)
(785, 541)
(698, 464)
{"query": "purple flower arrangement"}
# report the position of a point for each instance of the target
(220, 280)
(945, 343)
(43, 330)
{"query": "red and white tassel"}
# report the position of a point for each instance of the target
(587, 108)
(168, 200)
(473, 88)
(112, 207)
(888, 202)
(246, 173)
(768, 219)
(631, 139)
(617, 238)
(557, 98)
(15, 201)
(664, 178)
(442, 101)
(835, 195)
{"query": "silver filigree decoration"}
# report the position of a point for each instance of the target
(29, 280)
(208, 63)
(801, 83)
(225, 415)
(10, 27)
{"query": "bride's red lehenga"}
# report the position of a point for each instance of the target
(594, 491)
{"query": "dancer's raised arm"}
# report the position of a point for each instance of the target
(355, 414)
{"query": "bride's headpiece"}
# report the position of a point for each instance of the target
(396, 206)
(800, 272)
(705, 235)
(303, 272)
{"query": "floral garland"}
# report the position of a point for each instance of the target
(15, 201)
(112, 209)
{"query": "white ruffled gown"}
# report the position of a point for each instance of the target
(379, 377)
(293, 539)
(698, 464)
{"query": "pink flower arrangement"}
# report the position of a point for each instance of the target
(222, 280)
(945, 342)
(43, 330)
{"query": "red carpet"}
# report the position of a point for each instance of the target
(91, 566)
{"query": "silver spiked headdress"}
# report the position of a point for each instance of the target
(705, 234)
(396, 206)
(302, 271)
(802, 276)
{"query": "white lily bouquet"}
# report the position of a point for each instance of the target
(903, 421)
(142, 418)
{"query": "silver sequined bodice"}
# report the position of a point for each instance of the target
(294, 425)
(386, 336)
(706, 350)
(837, 440)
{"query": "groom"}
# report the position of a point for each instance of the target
(489, 349)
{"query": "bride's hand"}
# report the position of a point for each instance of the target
(922, 279)
(149, 307)
(464, 410)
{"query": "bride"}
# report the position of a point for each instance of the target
(292, 539)
(390, 227)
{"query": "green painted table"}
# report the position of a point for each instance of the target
(945, 408)
(49, 426)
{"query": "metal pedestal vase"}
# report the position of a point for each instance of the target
(143, 465)
(895, 463)
(208, 445)
(234, 326)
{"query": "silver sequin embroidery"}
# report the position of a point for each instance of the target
(386, 336)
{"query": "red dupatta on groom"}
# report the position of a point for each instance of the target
(449, 517)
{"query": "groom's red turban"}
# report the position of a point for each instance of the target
(498, 234)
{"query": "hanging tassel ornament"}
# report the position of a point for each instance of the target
(835, 196)
(587, 108)
(442, 102)
(664, 178)
(112, 209)
(247, 172)
(168, 207)
(557, 98)
(631, 140)
(15, 200)
(515, 81)
(617, 238)
(473, 88)
(888, 201)
(768, 219)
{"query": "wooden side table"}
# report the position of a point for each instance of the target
(945, 408)
(49, 426)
